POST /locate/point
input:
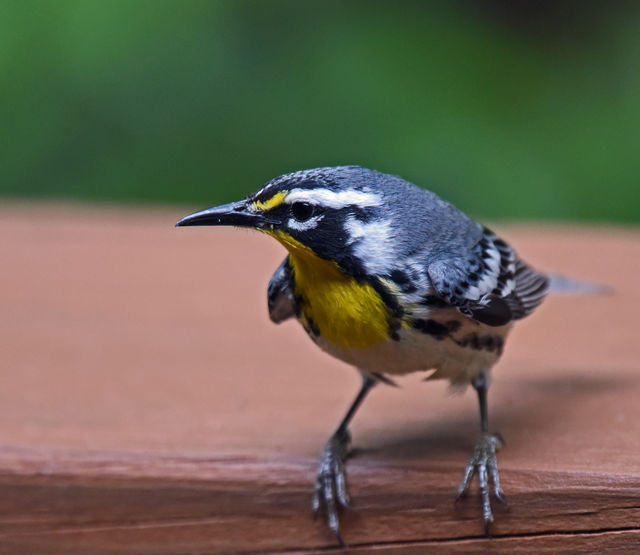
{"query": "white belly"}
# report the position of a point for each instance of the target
(471, 349)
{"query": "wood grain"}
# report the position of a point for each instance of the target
(149, 406)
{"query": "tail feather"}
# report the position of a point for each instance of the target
(566, 286)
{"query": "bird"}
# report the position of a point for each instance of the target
(391, 279)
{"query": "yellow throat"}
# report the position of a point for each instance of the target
(343, 310)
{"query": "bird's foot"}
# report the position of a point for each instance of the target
(331, 488)
(484, 463)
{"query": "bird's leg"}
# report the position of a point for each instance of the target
(483, 461)
(330, 489)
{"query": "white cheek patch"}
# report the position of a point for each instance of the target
(334, 199)
(372, 244)
(304, 226)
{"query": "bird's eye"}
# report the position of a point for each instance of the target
(302, 211)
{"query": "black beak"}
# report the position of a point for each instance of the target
(234, 213)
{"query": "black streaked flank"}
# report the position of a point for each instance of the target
(433, 301)
(403, 280)
(453, 325)
(486, 342)
(431, 327)
(443, 330)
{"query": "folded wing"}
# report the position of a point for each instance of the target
(280, 296)
(489, 283)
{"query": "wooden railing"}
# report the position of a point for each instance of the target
(148, 405)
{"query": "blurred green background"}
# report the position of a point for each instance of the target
(509, 109)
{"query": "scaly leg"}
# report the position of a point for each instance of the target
(483, 461)
(330, 482)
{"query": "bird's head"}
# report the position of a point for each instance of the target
(338, 213)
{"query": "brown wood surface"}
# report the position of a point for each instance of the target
(147, 404)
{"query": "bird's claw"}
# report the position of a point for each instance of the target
(331, 488)
(484, 463)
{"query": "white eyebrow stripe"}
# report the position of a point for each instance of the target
(333, 199)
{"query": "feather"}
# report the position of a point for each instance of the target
(280, 297)
(490, 284)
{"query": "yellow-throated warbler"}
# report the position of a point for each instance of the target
(392, 279)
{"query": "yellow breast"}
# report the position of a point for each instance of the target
(346, 312)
